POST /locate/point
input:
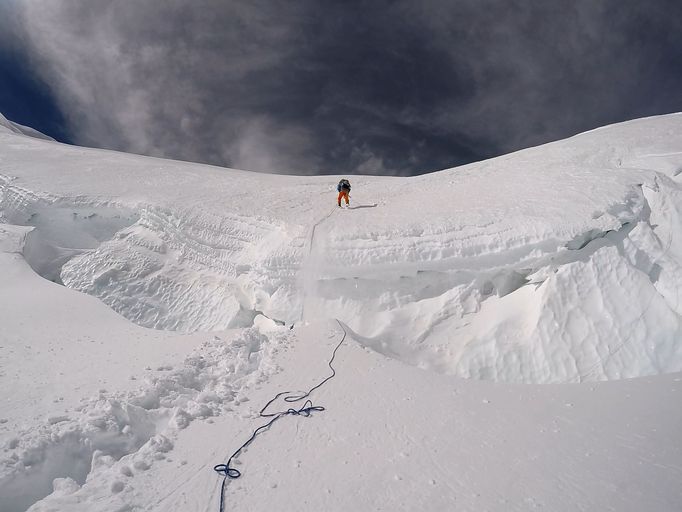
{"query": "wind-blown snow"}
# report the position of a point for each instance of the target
(12, 127)
(556, 264)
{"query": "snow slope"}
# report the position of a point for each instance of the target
(11, 126)
(533, 267)
(556, 264)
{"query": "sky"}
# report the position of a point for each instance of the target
(315, 87)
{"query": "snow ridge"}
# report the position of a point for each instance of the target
(20, 129)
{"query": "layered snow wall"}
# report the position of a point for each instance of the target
(556, 264)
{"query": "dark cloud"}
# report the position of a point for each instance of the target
(372, 87)
(557, 68)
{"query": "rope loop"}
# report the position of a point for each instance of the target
(227, 471)
(307, 409)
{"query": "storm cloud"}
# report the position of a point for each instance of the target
(338, 87)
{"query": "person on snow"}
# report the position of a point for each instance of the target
(343, 188)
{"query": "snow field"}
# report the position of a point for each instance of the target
(445, 273)
(396, 438)
(555, 264)
(393, 437)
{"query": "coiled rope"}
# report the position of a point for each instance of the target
(305, 410)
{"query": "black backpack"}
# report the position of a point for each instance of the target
(343, 185)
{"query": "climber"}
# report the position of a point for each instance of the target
(343, 189)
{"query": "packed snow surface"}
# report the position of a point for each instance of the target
(149, 308)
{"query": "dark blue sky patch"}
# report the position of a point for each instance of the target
(25, 98)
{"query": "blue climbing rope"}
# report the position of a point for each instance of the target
(305, 410)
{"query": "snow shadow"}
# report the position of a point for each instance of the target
(360, 206)
(60, 233)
